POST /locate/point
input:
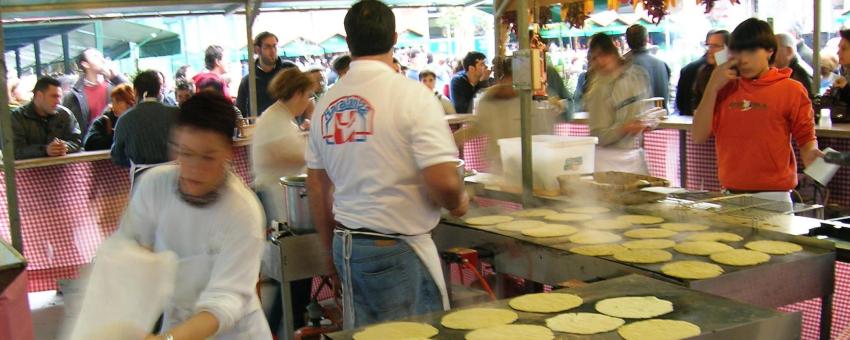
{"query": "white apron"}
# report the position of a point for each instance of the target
(623, 160)
(422, 245)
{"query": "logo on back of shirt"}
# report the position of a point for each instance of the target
(347, 119)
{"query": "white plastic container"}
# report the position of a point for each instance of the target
(552, 156)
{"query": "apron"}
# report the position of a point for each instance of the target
(193, 274)
(623, 160)
(422, 245)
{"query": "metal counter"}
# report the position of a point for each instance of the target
(785, 279)
(717, 317)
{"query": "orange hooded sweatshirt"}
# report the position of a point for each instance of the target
(754, 120)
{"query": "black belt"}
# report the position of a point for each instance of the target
(367, 236)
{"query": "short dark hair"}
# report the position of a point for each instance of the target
(845, 34)
(753, 34)
(341, 63)
(258, 40)
(369, 28)
(471, 59)
(181, 72)
(81, 58)
(723, 34)
(44, 83)
(211, 55)
(208, 111)
(185, 85)
(211, 83)
(147, 83)
(503, 65)
(636, 36)
(427, 73)
(601, 42)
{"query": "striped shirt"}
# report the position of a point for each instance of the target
(612, 101)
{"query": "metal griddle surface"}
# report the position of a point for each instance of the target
(717, 317)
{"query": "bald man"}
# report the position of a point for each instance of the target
(786, 56)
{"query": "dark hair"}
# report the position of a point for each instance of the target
(601, 42)
(503, 65)
(845, 34)
(181, 72)
(636, 36)
(288, 82)
(341, 63)
(208, 111)
(211, 83)
(427, 73)
(81, 58)
(44, 83)
(471, 58)
(723, 34)
(258, 40)
(753, 34)
(370, 28)
(211, 55)
(147, 84)
(184, 84)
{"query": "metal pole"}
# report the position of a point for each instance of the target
(816, 50)
(66, 54)
(251, 11)
(497, 33)
(18, 67)
(525, 108)
(36, 47)
(98, 35)
(9, 156)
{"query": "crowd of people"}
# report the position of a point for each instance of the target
(375, 224)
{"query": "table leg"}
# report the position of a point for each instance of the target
(287, 329)
(683, 158)
(826, 317)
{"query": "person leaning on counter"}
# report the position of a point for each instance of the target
(43, 127)
(381, 152)
(753, 110)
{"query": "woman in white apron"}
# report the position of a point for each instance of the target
(615, 103)
(202, 212)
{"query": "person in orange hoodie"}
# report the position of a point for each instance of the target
(753, 111)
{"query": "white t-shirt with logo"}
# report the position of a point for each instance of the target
(373, 132)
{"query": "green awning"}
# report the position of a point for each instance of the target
(409, 38)
(301, 47)
(334, 44)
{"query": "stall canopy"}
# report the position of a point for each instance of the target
(300, 47)
(409, 38)
(117, 36)
(597, 23)
(334, 44)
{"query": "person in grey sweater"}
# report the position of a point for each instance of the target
(657, 70)
(143, 132)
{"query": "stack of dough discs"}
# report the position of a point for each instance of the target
(534, 213)
(649, 233)
(641, 219)
(702, 248)
(519, 225)
(568, 217)
(594, 237)
(774, 247)
(397, 330)
(475, 318)
(511, 332)
(692, 270)
(488, 220)
(684, 226)
(740, 257)
(598, 249)
(607, 224)
(584, 323)
(551, 230)
(649, 244)
(659, 329)
(643, 256)
(634, 307)
(715, 236)
(546, 302)
(587, 210)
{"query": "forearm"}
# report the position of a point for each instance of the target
(444, 185)
(201, 326)
(810, 152)
(704, 116)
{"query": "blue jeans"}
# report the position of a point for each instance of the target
(389, 280)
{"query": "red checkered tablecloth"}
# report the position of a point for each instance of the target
(67, 210)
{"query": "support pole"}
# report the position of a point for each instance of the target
(18, 66)
(525, 108)
(251, 10)
(36, 47)
(816, 49)
(9, 154)
(66, 54)
(98, 35)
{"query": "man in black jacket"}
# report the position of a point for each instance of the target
(468, 82)
(688, 91)
(268, 65)
(787, 56)
(90, 95)
(43, 127)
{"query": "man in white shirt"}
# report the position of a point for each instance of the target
(381, 154)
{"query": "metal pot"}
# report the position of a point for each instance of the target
(298, 216)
